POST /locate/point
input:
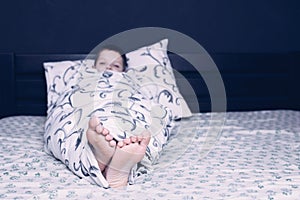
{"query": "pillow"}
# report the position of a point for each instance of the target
(150, 64)
(61, 76)
(153, 69)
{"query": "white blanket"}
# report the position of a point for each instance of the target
(116, 99)
(256, 157)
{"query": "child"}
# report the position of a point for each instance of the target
(123, 149)
(115, 159)
(110, 58)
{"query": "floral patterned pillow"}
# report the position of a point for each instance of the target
(152, 67)
(150, 64)
(61, 76)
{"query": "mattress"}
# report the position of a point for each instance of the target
(255, 156)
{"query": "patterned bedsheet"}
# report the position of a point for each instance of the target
(257, 156)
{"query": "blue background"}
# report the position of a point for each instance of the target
(255, 45)
(77, 26)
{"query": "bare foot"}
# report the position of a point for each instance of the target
(125, 157)
(103, 145)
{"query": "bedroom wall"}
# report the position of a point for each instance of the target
(238, 34)
(76, 26)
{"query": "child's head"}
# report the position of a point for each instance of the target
(110, 58)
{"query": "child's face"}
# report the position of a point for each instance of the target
(109, 60)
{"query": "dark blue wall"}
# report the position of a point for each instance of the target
(77, 26)
(255, 44)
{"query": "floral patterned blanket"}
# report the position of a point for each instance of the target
(256, 156)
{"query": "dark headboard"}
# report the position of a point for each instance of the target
(252, 81)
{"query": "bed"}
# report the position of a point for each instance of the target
(255, 156)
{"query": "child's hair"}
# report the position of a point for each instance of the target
(112, 48)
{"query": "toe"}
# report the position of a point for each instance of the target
(93, 122)
(145, 141)
(112, 143)
(120, 144)
(139, 138)
(109, 137)
(99, 128)
(133, 139)
(105, 131)
(127, 141)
